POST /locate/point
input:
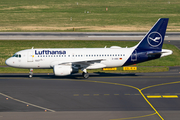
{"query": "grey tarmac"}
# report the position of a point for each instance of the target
(103, 96)
(81, 35)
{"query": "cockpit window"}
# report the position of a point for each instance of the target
(17, 55)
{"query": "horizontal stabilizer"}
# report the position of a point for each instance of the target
(158, 53)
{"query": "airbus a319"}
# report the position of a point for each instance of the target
(65, 61)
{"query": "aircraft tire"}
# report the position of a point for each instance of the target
(85, 75)
(30, 76)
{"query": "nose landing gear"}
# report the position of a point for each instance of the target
(31, 73)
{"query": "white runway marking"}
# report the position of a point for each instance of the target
(115, 36)
(9, 97)
(118, 36)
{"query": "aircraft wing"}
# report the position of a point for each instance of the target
(87, 62)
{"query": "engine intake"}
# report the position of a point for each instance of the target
(62, 70)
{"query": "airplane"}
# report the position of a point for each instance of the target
(65, 61)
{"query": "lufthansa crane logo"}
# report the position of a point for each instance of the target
(154, 39)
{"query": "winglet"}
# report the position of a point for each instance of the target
(155, 37)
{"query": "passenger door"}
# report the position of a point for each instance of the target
(30, 56)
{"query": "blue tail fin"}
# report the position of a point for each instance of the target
(154, 39)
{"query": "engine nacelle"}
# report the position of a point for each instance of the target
(62, 70)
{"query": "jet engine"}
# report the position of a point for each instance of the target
(62, 70)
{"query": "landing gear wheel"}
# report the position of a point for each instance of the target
(85, 75)
(31, 73)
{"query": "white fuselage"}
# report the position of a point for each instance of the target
(47, 58)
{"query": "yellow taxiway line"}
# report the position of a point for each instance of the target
(169, 96)
(162, 96)
(154, 96)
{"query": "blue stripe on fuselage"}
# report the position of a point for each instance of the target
(142, 56)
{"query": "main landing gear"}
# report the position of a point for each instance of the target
(31, 73)
(85, 74)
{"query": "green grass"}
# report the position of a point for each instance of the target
(139, 70)
(119, 70)
(8, 48)
(19, 70)
(55, 15)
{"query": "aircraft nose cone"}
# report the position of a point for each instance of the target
(9, 62)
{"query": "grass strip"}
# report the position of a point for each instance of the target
(94, 15)
(119, 70)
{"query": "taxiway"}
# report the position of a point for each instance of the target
(102, 96)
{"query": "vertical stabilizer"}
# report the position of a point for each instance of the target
(155, 37)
